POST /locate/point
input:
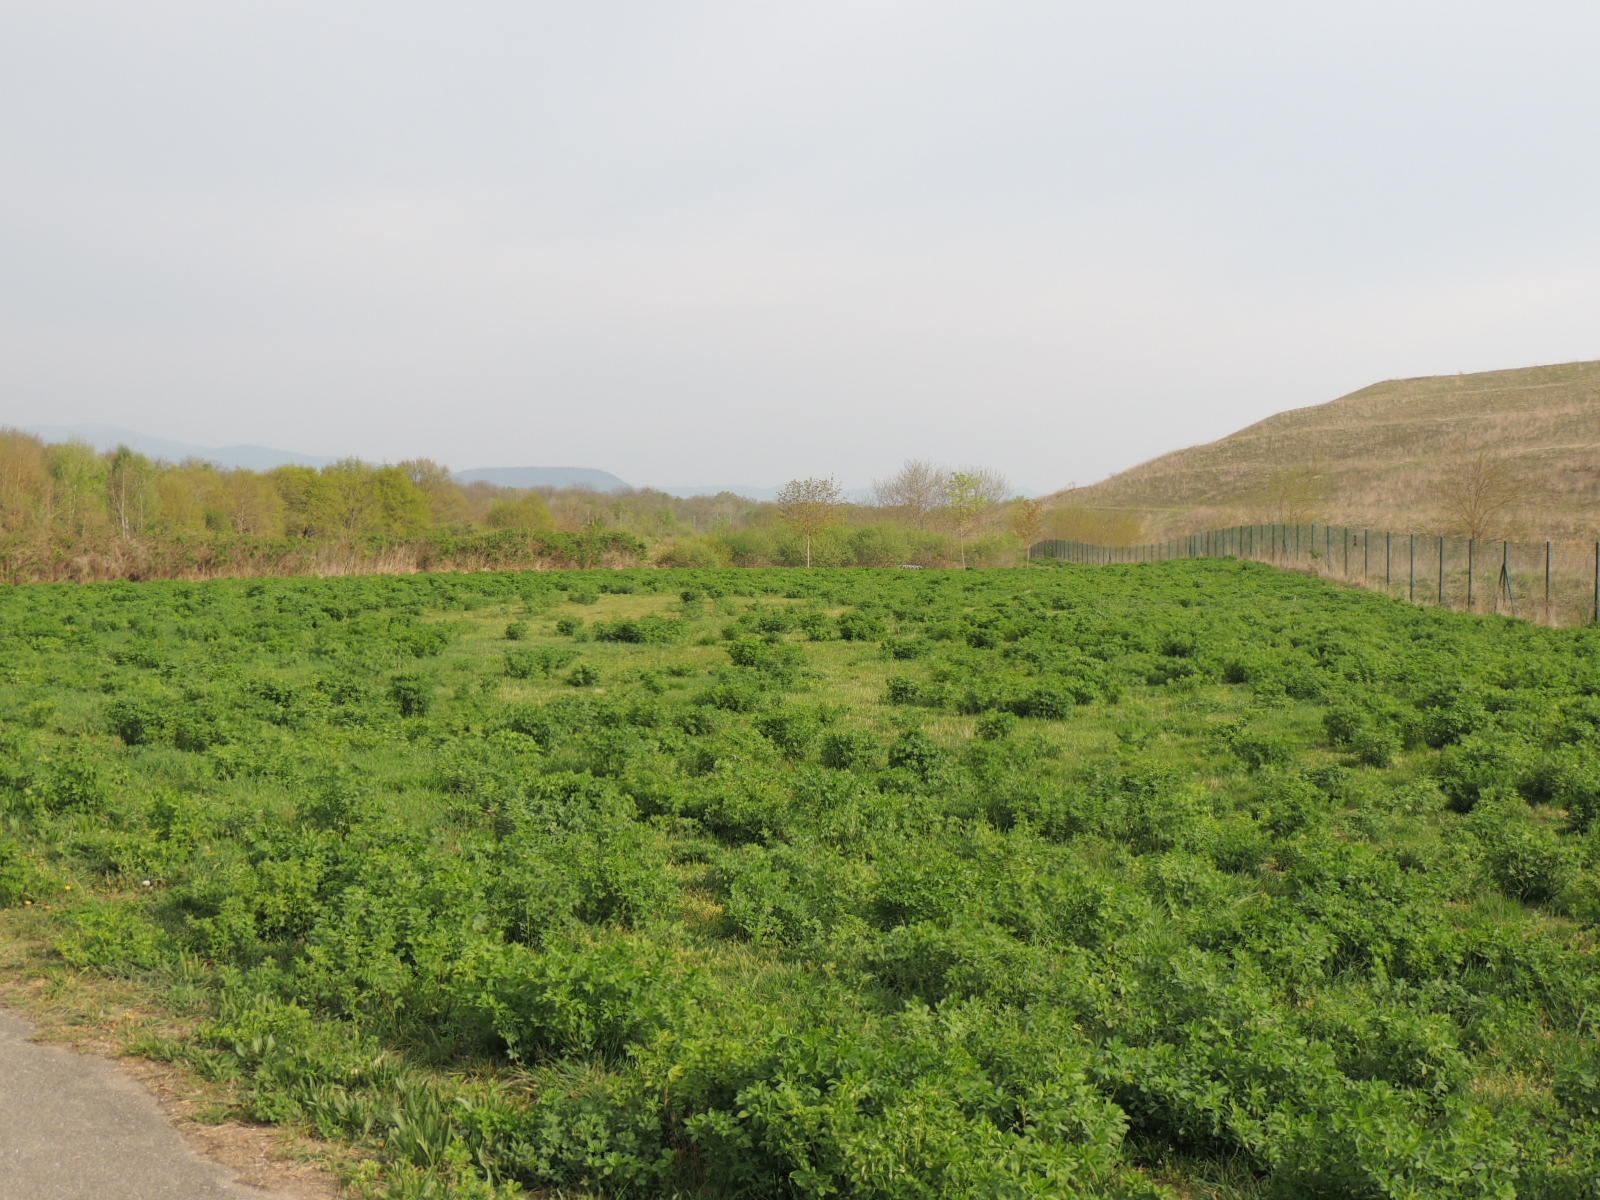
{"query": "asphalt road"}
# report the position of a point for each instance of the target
(73, 1128)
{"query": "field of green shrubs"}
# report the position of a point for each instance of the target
(1183, 879)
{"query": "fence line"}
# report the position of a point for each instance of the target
(1555, 583)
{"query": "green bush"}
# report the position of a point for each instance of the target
(412, 694)
(843, 749)
(583, 675)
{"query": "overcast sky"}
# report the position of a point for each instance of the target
(741, 242)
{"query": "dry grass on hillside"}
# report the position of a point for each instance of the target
(1385, 457)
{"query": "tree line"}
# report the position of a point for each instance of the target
(69, 511)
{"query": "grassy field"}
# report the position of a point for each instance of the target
(1382, 455)
(1183, 879)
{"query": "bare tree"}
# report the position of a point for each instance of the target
(810, 507)
(917, 489)
(1475, 498)
(1295, 495)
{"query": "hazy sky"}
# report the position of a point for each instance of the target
(736, 243)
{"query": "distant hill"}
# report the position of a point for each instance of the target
(851, 495)
(1382, 455)
(265, 458)
(109, 437)
(555, 477)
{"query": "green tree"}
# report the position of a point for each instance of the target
(25, 483)
(525, 511)
(77, 476)
(128, 490)
(1026, 518)
(811, 507)
(968, 496)
(402, 507)
(346, 502)
(447, 503)
(300, 490)
(251, 503)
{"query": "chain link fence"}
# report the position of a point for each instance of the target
(1554, 583)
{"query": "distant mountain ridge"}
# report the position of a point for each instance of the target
(265, 458)
(109, 437)
(767, 495)
(557, 477)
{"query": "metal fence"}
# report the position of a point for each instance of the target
(1555, 583)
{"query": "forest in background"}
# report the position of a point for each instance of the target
(70, 512)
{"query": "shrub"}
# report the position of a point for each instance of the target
(791, 730)
(1051, 702)
(538, 661)
(916, 752)
(780, 661)
(1258, 750)
(137, 722)
(583, 675)
(1376, 746)
(997, 726)
(652, 631)
(412, 694)
(1528, 862)
(902, 689)
(1466, 770)
(843, 749)
(861, 627)
(818, 626)
(1344, 722)
(1290, 805)
(1569, 778)
(1453, 717)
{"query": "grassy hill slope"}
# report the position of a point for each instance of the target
(1383, 457)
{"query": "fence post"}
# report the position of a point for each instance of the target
(1547, 583)
(1511, 596)
(1472, 544)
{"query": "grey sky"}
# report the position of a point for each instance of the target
(717, 242)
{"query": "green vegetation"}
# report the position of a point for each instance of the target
(1184, 879)
(68, 513)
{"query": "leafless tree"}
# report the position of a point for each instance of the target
(917, 489)
(1295, 495)
(1476, 496)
